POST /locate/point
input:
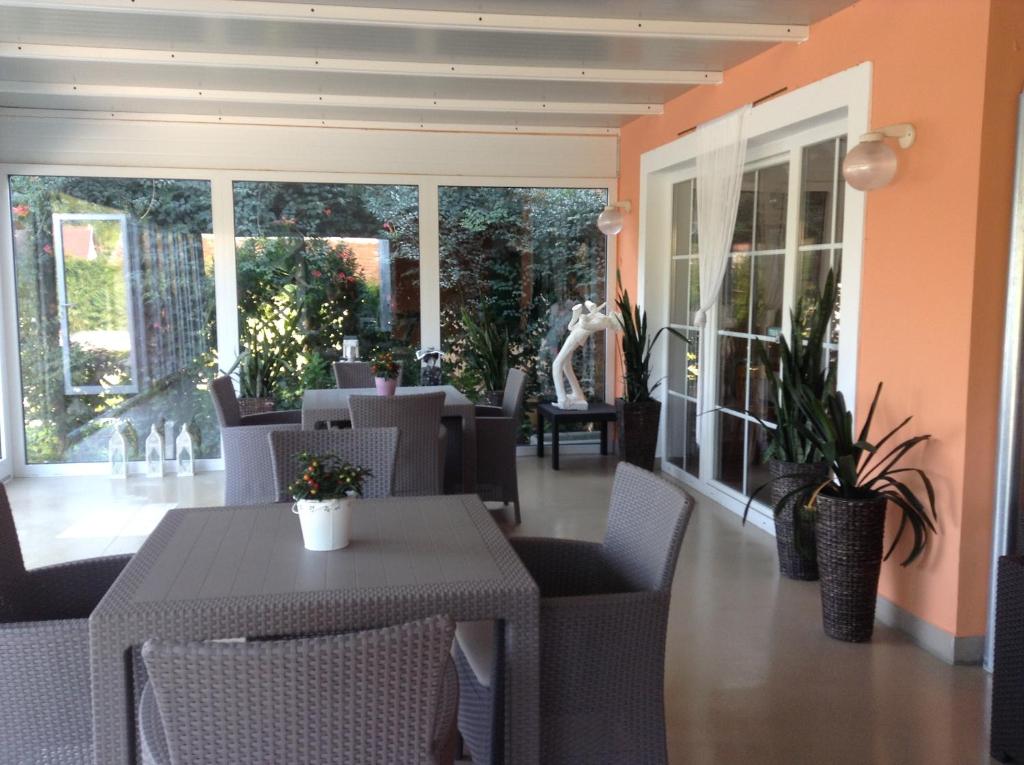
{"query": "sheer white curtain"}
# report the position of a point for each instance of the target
(721, 153)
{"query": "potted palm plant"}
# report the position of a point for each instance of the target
(639, 413)
(793, 459)
(850, 510)
(488, 354)
(385, 373)
(323, 494)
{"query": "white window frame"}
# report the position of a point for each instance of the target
(7, 402)
(835, 105)
(221, 190)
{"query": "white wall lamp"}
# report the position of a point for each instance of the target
(610, 219)
(872, 163)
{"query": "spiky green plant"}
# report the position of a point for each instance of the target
(637, 348)
(488, 349)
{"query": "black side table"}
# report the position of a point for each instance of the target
(597, 412)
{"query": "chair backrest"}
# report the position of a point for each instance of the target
(352, 374)
(646, 522)
(417, 416)
(365, 697)
(372, 448)
(225, 402)
(12, 566)
(515, 390)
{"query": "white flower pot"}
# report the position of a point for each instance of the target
(326, 523)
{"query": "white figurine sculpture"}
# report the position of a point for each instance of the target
(581, 326)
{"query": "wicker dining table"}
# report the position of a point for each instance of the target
(321, 407)
(215, 573)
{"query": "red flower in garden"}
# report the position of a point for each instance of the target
(20, 211)
(316, 274)
(327, 211)
(48, 249)
(351, 280)
(389, 227)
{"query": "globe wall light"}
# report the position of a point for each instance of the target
(610, 219)
(872, 163)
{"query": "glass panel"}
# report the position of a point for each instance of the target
(675, 441)
(743, 234)
(693, 223)
(732, 372)
(837, 259)
(131, 261)
(772, 193)
(840, 193)
(761, 403)
(678, 313)
(734, 300)
(817, 185)
(692, 449)
(694, 283)
(692, 363)
(768, 289)
(682, 209)
(678, 363)
(757, 471)
(811, 273)
(317, 262)
(729, 467)
(522, 258)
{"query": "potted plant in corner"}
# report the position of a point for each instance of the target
(488, 354)
(793, 459)
(850, 511)
(323, 494)
(639, 413)
(385, 373)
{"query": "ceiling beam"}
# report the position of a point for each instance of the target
(324, 99)
(16, 50)
(429, 19)
(413, 125)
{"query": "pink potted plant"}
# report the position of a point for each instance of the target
(385, 372)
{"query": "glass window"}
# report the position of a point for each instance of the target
(317, 262)
(116, 312)
(521, 258)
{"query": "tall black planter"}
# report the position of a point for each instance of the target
(797, 558)
(638, 431)
(849, 536)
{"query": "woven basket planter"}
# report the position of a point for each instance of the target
(849, 538)
(797, 560)
(247, 406)
(638, 431)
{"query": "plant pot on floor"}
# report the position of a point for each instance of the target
(638, 431)
(386, 386)
(326, 523)
(849, 538)
(797, 556)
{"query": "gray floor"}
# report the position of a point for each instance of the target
(750, 678)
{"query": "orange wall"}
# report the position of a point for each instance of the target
(935, 248)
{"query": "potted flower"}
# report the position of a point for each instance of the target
(487, 354)
(323, 494)
(639, 413)
(850, 510)
(793, 459)
(385, 372)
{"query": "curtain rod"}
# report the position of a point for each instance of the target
(756, 103)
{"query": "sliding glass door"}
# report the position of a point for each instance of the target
(788, 235)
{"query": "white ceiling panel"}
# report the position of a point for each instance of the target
(572, 64)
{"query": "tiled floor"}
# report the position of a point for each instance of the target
(750, 676)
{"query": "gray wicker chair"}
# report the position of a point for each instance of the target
(419, 469)
(248, 471)
(497, 434)
(45, 697)
(604, 615)
(379, 696)
(356, 374)
(372, 448)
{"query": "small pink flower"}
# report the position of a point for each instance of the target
(48, 249)
(20, 211)
(316, 274)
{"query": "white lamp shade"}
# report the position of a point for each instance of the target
(870, 165)
(610, 221)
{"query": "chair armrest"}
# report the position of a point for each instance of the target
(72, 590)
(490, 429)
(488, 410)
(567, 567)
(287, 417)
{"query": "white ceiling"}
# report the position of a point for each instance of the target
(564, 65)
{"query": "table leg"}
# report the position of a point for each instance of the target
(113, 741)
(522, 684)
(604, 436)
(554, 443)
(540, 433)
